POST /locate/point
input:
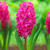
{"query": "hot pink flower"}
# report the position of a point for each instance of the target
(26, 19)
(48, 14)
(48, 22)
(4, 14)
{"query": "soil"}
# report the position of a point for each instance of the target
(37, 47)
(40, 47)
(13, 48)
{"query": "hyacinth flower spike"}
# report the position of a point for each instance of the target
(48, 30)
(5, 21)
(48, 22)
(26, 19)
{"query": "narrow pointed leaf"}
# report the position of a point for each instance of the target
(47, 38)
(35, 38)
(9, 36)
(19, 42)
(0, 35)
(31, 37)
(5, 36)
(0, 44)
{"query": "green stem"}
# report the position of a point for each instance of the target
(9, 37)
(25, 43)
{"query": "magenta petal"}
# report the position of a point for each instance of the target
(26, 19)
(48, 22)
(4, 14)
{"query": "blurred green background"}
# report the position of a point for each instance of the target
(41, 9)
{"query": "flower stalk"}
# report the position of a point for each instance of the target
(25, 43)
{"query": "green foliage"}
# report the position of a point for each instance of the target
(31, 37)
(48, 42)
(19, 42)
(35, 38)
(41, 9)
(5, 33)
(9, 36)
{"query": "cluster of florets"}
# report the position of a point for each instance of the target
(48, 22)
(26, 19)
(4, 14)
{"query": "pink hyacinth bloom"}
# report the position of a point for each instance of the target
(26, 19)
(4, 14)
(48, 22)
(48, 14)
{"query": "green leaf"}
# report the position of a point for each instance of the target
(47, 38)
(48, 41)
(5, 33)
(19, 42)
(0, 43)
(9, 36)
(35, 38)
(31, 38)
(0, 35)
